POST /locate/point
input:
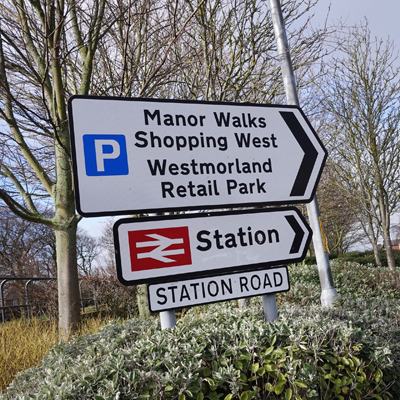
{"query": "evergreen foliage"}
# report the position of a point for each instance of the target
(350, 351)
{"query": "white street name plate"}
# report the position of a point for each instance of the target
(194, 292)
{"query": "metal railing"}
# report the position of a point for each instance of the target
(27, 305)
(4, 280)
(83, 299)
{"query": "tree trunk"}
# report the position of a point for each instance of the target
(388, 249)
(376, 254)
(142, 301)
(385, 218)
(68, 285)
(65, 226)
(373, 241)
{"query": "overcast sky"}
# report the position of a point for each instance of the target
(384, 21)
(383, 15)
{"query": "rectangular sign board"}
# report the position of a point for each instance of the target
(175, 247)
(133, 155)
(195, 292)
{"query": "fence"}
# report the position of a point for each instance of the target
(5, 279)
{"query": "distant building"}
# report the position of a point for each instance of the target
(395, 245)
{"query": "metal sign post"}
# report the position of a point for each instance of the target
(167, 318)
(270, 308)
(328, 293)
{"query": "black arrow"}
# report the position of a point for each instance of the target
(299, 234)
(310, 153)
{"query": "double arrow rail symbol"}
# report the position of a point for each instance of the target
(160, 253)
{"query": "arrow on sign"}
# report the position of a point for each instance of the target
(310, 153)
(299, 234)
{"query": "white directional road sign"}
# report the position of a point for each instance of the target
(172, 247)
(194, 292)
(146, 155)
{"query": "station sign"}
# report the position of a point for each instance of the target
(195, 292)
(133, 155)
(188, 246)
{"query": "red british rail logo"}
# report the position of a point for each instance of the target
(159, 248)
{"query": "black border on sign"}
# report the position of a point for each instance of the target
(220, 301)
(188, 208)
(203, 274)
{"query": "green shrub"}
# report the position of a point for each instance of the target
(359, 257)
(218, 352)
(349, 351)
(349, 278)
(305, 288)
(365, 281)
(367, 257)
(32, 342)
(310, 260)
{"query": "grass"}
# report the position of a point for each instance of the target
(23, 343)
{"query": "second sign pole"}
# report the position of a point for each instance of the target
(270, 308)
(167, 319)
(328, 291)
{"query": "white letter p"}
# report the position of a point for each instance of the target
(101, 156)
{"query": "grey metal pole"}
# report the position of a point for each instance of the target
(167, 319)
(269, 305)
(27, 298)
(80, 295)
(328, 291)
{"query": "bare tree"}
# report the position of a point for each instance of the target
(362, 95)
(340, 224)
(206, 50)
(88, 250)
(137, 59)
(47, 50)
(356, 198)
(106, 244)
(26, 249)
(231, 50)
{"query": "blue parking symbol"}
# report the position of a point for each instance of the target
(105, 155)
